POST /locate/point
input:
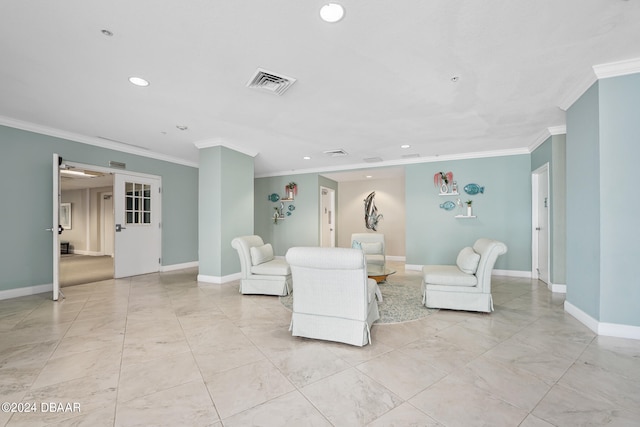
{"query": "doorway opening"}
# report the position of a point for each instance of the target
(541, 237)
(327, 217)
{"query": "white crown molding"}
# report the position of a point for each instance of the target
(546, 134)
(217, 142)
(579, 88)
(98, 142)
(401, 162)
(619, 68)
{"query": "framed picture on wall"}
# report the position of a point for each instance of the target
(65, 215)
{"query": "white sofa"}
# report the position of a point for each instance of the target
(373, 246)
(333, 298)
(466, 285)
(261, 272)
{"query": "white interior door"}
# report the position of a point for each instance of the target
(541, 223)
(55, 222)
(327, 217)
(137, 207)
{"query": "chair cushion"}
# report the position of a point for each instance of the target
(261, 254)
(468, 260)
(275, 267)
(447, 275)
(372, 248)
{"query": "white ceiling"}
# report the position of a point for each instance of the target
(378, 79)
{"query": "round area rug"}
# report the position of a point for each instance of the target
(401, 299)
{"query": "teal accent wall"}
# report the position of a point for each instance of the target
(302, 227)
(583, 203)
(503, 212)
(26, 190)
(553, 152)
(226, 208)
(619, 203)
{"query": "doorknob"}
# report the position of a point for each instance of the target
(537, 228)
(119, 228)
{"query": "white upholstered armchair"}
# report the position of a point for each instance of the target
(333, 298)
(466, 285)
(261, 272)
(373, 246)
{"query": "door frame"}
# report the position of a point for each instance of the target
(535, 202)
(103, 232)
(332, 210)
(74, 165)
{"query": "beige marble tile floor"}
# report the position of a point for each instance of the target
(160, 349)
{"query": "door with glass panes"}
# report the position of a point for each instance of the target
(137, 222)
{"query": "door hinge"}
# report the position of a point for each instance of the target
(160, 190)
(160, 261)
(159, 225)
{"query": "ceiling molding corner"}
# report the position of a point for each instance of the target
(219, 142)
(619, 68)
(579, 88)
(557, 130)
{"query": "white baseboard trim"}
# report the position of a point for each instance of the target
(396, 258)
(174, 267)
(512, 273)
(557, 288)
(27, 290)
(82, 252)
(218, 279)
(606, 329)
(509, 273)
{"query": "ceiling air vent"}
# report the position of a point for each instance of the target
(372, 160)
(336, 153)
(270, 82)
(410, 156)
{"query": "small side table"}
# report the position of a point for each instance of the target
(64, 247)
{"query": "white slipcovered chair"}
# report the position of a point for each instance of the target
(334, 299)
(373, 246)
(261, 272)
(466, 285)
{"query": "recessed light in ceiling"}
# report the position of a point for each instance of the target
(182, 127)
(107, 33)
(332, 12)
(139, 81)
(405, 146)
(307, 158)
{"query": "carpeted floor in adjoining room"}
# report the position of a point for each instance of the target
(79, 269)
(401, 294)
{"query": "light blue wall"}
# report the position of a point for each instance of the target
(26, 194)
(299, 229)
(619, 201)
(226, 208)
(583, 203)
(552, 151)
(503, 212)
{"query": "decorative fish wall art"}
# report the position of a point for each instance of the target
(371, 216)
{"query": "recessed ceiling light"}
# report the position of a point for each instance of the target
(307, 158)
(405, 146)
(107, 33)
(182, 127)
(139, 81)
(332, 12)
